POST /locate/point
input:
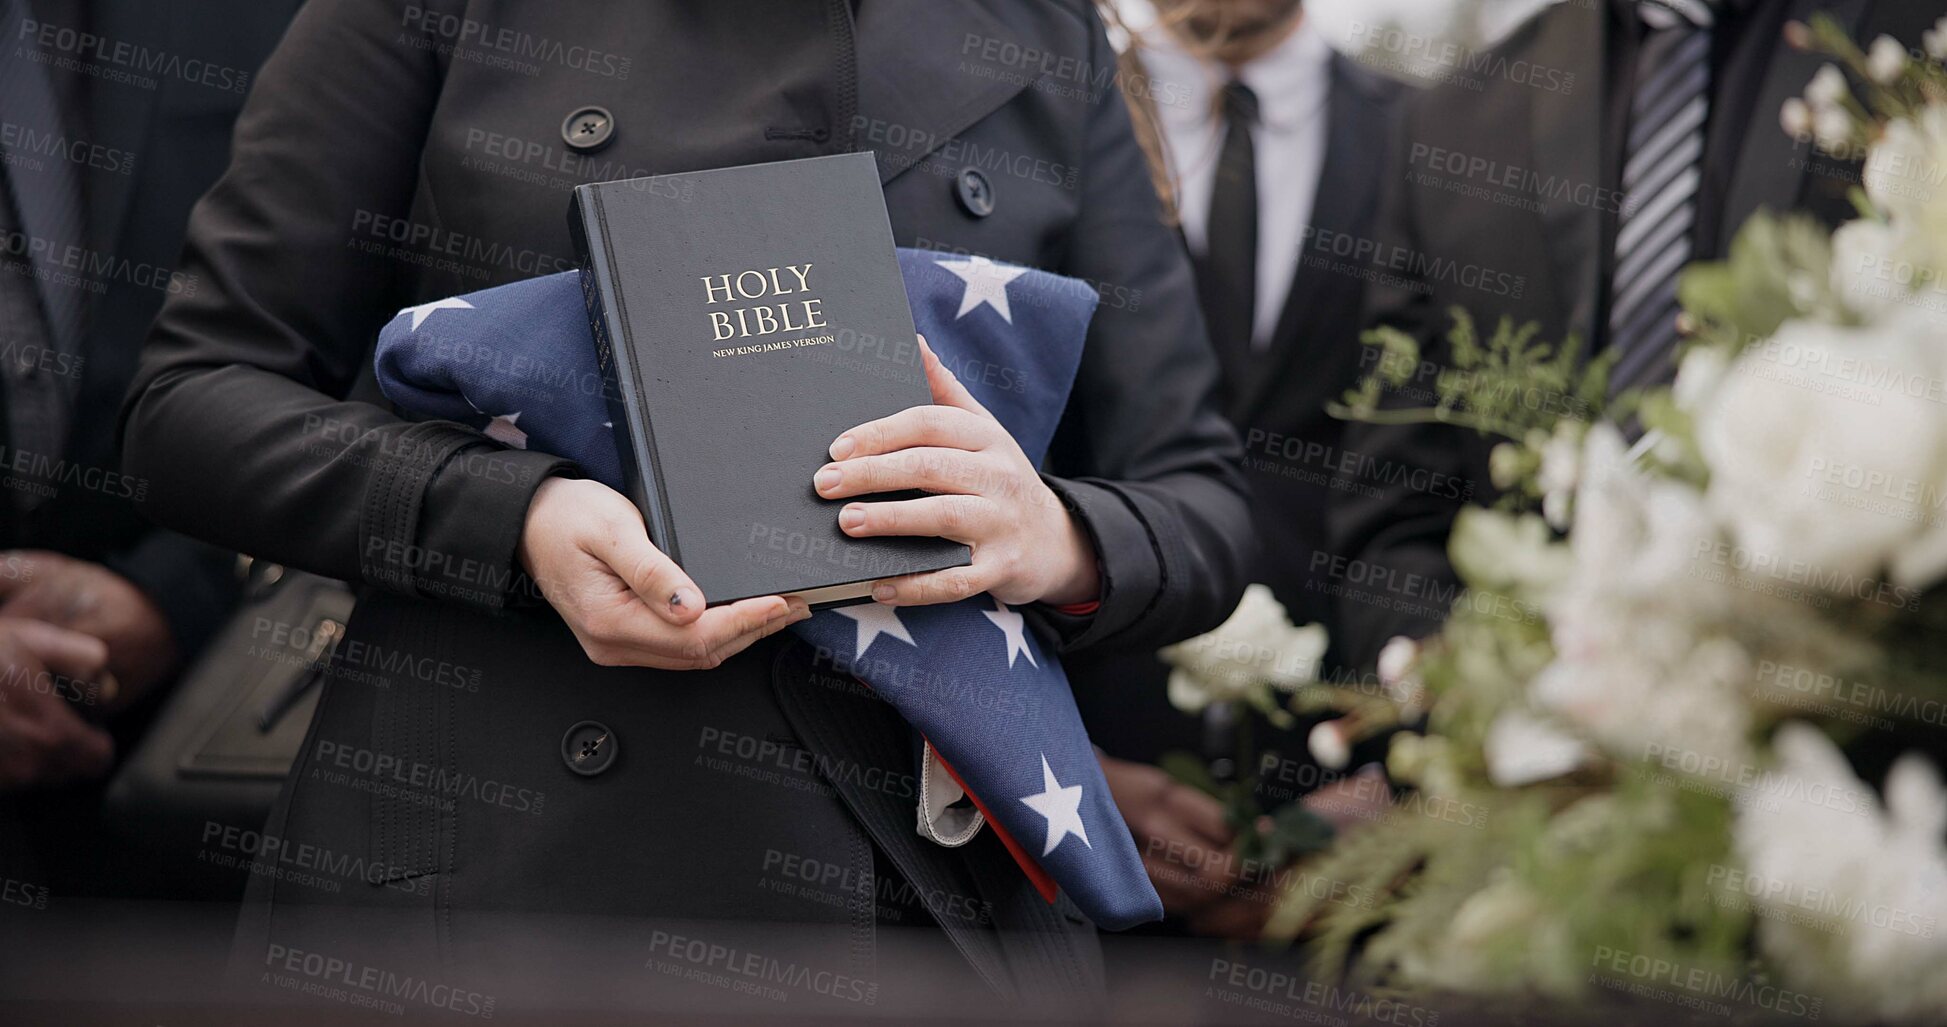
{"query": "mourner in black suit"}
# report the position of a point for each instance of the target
(1539, 239)
(102, 166)
(394, 155)
(1274, 144)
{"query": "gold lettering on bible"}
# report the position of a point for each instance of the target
(765, 302)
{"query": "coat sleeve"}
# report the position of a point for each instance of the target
(1143, 456)
(237, 417)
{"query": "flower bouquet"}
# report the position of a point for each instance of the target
(1693, 712)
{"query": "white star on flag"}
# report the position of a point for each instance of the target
(425, 310)
(505, 430)
(875, 619)
(1015, 627)
(986, 283)
(1062, 807)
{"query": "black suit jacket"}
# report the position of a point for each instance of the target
(172, 138)
(1544, 261)
(392, 156)
(1294, 455)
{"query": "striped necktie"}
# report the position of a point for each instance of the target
(1662, 169)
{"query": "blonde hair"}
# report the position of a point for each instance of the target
(1133, 79)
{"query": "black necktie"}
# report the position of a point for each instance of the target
(1229, 283)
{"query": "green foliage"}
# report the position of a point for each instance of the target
(1508, 385)
(1778, 268)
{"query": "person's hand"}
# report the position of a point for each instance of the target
(93, 600)
(985, 493)
(629, 605)
(1187, 850)
(44, 671)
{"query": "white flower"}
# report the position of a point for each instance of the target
(1862, 253)
(1853, 887)
(1397, 659)
(1639, 658)
(1399, 674)
(1328, 746)
(1514, 554)
(1833, 128)
(1886, 61)
(1521, 749)
(1698, 376)
(1828, 88)
(1561, 469)
(1904, 168)
(1257, 646)
(1935, 40)
(1827, 448)
(1796, 118)
(1637, 533)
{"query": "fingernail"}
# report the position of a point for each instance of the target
(852, 517)
(883, 592)
(842, 447)
(683, 599)
(827, 478)
(799, 610)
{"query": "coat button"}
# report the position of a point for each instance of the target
(975, 192)
(589, 748)
(588, 129)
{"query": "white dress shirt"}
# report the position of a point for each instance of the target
(1293, 84)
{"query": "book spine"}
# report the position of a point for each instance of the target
(621, 387)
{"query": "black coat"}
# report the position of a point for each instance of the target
(390, 158)
(1544, 258)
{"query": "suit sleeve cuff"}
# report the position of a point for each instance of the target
(1127, 557)
(193, 584)
(443, 519)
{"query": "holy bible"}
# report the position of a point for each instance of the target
(743, 318)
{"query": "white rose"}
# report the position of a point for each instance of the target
(1903, 167)
(1698, 376)
(1256, 646)
(1824, 448)
(1810, 827)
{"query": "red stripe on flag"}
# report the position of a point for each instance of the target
(1039, 877)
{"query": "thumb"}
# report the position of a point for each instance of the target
(649, 572)
(947, 390)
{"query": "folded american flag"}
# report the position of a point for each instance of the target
(518, 362)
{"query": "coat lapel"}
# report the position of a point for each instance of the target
(1567, 147)
(1769, 169)
(1348, 192)
(919, 85)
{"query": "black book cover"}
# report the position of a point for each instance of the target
(743, 318)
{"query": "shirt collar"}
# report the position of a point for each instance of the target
(1290, 80)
